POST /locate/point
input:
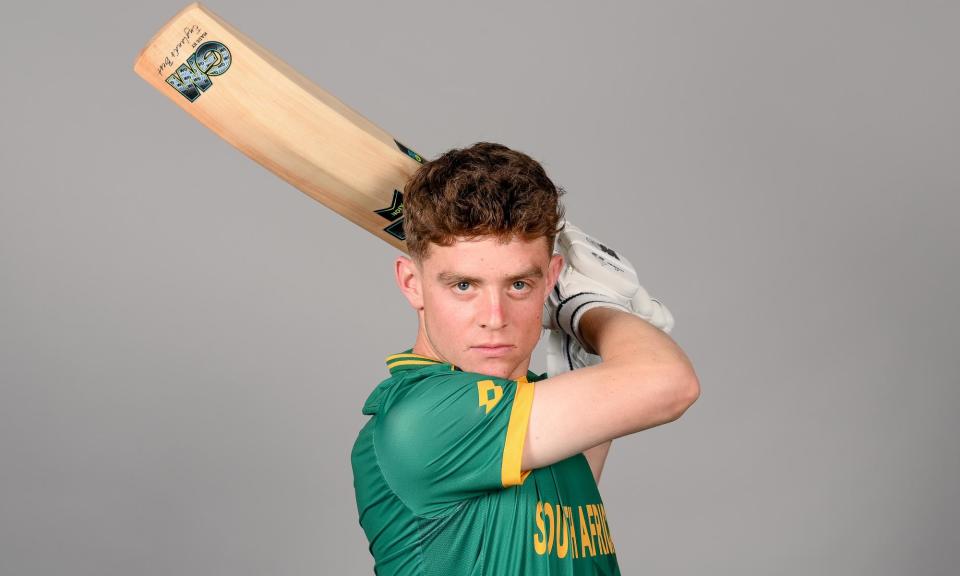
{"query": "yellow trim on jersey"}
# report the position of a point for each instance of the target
(405, 362)
(407, 358)
(510, 473)
(409, 355)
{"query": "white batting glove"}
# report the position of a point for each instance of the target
(594, 275)
(565, 353)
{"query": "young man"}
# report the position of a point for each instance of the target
(471, 464)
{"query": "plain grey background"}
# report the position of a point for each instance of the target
(186, 341)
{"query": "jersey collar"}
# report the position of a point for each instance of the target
(404, 361)
(409, 361)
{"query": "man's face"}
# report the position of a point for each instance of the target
(480, 302)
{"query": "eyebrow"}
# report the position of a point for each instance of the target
(451, 277)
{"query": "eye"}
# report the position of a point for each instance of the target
(462, 286)
(519, 285)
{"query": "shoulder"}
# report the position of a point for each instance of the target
(435, 389)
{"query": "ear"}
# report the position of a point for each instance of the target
(407, 275)
(556, 266)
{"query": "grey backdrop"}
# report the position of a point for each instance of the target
(186, 341)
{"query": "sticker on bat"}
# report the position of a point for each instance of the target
(394, 214)
(193, 77)
(409, 152)
(395, 210)
(396, 230)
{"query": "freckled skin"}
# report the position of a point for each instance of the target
(490, 294)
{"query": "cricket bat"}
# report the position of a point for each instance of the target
(281, 119)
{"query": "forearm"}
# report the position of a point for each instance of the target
(644, 380)
(619, 338)
(644, 371)
(622, 338)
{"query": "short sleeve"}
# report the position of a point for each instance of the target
(453, 436)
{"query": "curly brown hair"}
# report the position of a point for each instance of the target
(484, 190)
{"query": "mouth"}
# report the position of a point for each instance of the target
(493, 350)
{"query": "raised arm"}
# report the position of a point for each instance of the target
(644, 380)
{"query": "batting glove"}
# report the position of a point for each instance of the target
(565, 353)
(594, 275)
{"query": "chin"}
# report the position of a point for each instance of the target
(499, 367)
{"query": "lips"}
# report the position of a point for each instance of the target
(493, 349)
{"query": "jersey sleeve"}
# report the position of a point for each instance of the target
(452, 437)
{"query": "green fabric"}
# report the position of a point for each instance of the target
(427, 475)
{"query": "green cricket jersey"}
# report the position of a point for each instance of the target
(439, 488)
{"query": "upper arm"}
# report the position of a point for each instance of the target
(578, 410)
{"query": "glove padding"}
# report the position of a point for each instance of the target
(565, 353)
(595, 275)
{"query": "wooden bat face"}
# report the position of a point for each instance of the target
(280, 119)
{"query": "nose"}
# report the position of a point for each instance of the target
(493, 313)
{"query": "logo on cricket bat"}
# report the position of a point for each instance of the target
(394, 213)
(409, 152)
(193, 77)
